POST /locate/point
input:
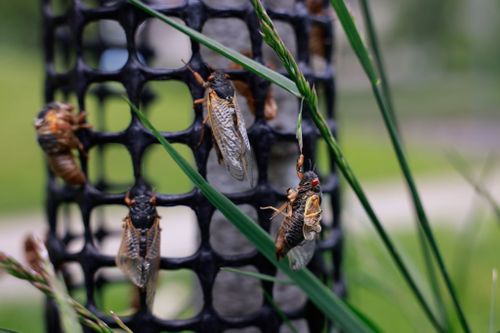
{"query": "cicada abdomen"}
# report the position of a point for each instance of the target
(55, 126)
(224, 117)
(139, 253)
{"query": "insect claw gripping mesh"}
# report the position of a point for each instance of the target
(133, 76)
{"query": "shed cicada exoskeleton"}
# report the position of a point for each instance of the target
(270, 105)
(226, 122)
(139, 253)
(55, 127)
(301, 213)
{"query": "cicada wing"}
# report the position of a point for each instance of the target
(312, 217)
(153, 258)
(229, 132)
(301, 255)
(128, 258)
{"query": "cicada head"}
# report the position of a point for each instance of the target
(143, 211)
(310, 182)
(55, 109)
(221, 85)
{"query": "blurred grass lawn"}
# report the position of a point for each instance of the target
(375, 287)
(22, 174)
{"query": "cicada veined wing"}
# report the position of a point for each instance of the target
(230, 136)
(301, 255)
(139, 256)
(312, 217)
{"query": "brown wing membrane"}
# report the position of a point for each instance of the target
(142, 271)
(312, 217)
(229, 132)
(153, 258)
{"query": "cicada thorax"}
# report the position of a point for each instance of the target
(55, 127)
(139, 253)
(303, 221)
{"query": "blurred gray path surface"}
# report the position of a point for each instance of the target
(447, 200)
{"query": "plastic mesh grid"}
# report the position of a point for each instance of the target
(63, 34)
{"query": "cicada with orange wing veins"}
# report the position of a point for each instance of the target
(55, 126)
(227, 124)
(139, 253)
(301, 223)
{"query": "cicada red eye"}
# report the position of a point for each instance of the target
(315, 182)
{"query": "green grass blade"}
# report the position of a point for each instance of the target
(458, 163)
(298, 131)
(379, 61)
(360, 50)
(279, 312)
(493, 300)
(355, 40)
(386, 91)
(328, 303)
(272, 38)
(260, 276)
(467, 238)
(247, 63)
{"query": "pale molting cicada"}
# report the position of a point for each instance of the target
(55, 127)
(301, 213)
(226, 122)
(139, 253)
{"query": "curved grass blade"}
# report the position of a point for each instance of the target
(458, 163)
(272, 38)
(247, 63)
(360, 50)
(379, 61)
(386, 91)
(328, 303)
(260, 276)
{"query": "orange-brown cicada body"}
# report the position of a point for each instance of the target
(55, 126)
(301, 223)
(139, 253)
(270, 105)
(317, 38)
(227, 124)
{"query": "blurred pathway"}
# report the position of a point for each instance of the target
(447, 200)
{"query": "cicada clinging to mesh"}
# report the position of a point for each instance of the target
(139, 253)
(301, 223)
(227, 124)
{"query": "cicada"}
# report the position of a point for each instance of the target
(301, 223)
(55, 127)
(139, 253)
(227, 124)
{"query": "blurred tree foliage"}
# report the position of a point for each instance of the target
(455, 33)
(20, 22)
(434, 26)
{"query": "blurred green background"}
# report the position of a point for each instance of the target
(442, 60)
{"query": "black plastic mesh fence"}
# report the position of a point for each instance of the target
(96, 51)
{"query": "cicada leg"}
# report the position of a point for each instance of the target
(203, 124)
(282, 210)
